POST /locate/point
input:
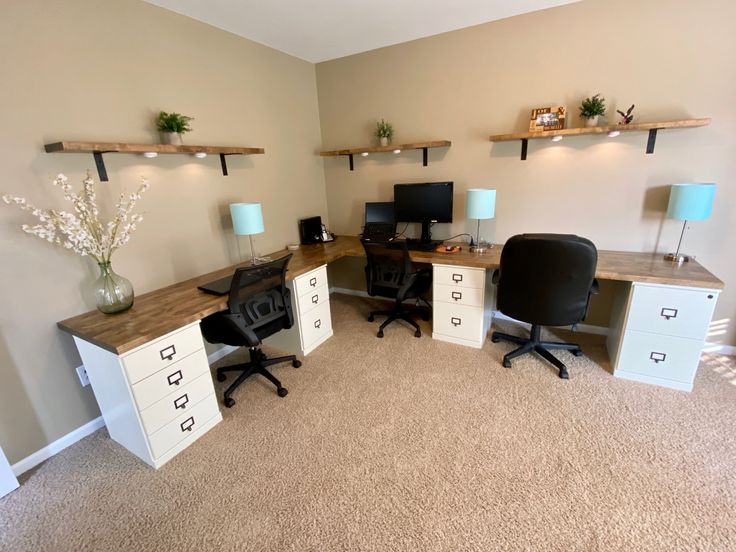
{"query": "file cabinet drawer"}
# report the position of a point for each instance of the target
(457, 276)
(311, 281)
(184, 426)
(660, 356)
(170, 379)
(163, 352)
(315, 324)
(454, 295)
(180, 401)
(310, 300)
(672, 311)
(459, 321)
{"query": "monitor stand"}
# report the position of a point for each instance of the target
(425, 243)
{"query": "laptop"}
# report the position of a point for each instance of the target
(217, 287)
(379, 221)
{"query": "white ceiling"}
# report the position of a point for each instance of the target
(319, 30)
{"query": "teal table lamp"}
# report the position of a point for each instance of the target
(692, 201)
(248, 220)
(480, 205)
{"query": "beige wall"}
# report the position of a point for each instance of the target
(91, 70)
(671, 58)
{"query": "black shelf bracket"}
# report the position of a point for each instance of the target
(524, 146)
(350, 157)
(651, 140)
(223, 162)
(424, 157)
(100, 164)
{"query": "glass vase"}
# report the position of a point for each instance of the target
(113, 292)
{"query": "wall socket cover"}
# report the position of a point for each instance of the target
(83, 377)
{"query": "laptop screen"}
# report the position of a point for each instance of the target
(380, 212)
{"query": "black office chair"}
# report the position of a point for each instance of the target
(389, 273)
(259, 305)
(545, 280)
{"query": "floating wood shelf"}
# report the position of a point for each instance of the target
(424, 146)
(632, 127)
(98, 148)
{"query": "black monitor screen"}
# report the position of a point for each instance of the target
(430, 202)
(382, 212)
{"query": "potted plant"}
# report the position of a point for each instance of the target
(591, 109)
(384, 132)
(172, 126)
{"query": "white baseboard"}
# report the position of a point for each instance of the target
(582, 328)
(80, 433)
(719, 348)
(57, 446)
(346, 291)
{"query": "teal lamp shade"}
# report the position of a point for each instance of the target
(692, 201)
(481, 203)
(247, 218)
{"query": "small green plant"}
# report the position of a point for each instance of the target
(384, 130)
(173, 122)
(592, 107)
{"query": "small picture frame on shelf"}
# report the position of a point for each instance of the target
(547, 118)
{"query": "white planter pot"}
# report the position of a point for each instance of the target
(384, 141)
(592, 122)
(171, 138)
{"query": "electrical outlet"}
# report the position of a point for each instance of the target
(83, 377)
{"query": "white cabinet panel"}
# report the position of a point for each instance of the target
(311, 281)
(311, 299)
(170, 379)
(660, 356)
(176, 403)
(460, 321)
(458, 276)
(183, 427)
(315, 324)
(454, 295)
(8, 482)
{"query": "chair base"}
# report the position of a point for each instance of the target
(533, 343)
(257, 365)
(401, 312)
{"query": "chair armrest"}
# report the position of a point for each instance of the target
(495, 276)
(236, 320)
(595, 288)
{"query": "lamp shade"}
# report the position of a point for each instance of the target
(247, 218)
(693, 201)
(481, 203)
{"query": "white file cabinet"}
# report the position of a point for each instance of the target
(461, 305)
(156, 399)
(310, 300)
(658, 333)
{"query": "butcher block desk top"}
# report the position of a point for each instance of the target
(164, 310)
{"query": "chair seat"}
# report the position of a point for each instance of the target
(216, 329)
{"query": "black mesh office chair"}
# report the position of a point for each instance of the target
(545, 280)
(259, 305)
(389, 273)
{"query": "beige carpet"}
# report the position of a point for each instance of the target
(412, 444)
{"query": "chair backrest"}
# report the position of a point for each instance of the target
(259, 294)
(546, 279)
(388, 267)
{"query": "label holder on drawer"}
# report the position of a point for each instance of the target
(318, 323)
(657, 357)
(173, 379)
(167, 353)
(315, 298)
(457, 277)
(313, 281)
(457, 295)
(668, 313)
(187, 424)
(181, 402)
(456, 321)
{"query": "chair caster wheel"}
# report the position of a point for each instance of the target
(296, 363)
(506, 363)
(578, 352)
(417, 334)
(495, 339)
(221, 377)
(370, 318)
(564, 374)
(282, 391)
(229, 403)
(379, 334)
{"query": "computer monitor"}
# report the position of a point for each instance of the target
(425, 203)
(379, 212)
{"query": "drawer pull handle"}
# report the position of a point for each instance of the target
(456, 295)
(187, 424)
(657, 357)
(175, 378)
(455, 321)
(668, 313)
(318, 323)
(457, 277)
(181, 402)
(167, 353)
(313, 282)
(315, 298)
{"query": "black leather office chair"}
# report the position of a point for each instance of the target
(545, 280)
(259, 305)
(389, 273)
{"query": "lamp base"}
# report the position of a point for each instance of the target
(480, 247)
(259, 260)
(678, 258)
